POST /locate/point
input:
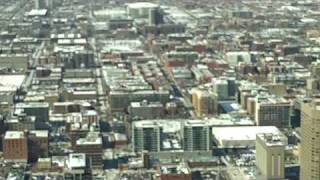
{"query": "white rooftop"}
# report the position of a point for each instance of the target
(116, 12)
(37, 12)
(167, 126)
(141, 5)
(76, 160)
(40, 133)
(241, 136)
(228, 120)
(11, 82)
(14, 135)
(92, 139)
(196, 123)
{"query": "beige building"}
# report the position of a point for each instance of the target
(310, 140)
(203, 102)
(270, 155)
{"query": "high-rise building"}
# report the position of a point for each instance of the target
(15, 146)
(248, 90)
(76, 165)
(91, 145)
(146, 136)
(220, 87)
(39, 4)
(155, 16)
(146, 110)
(203, 102)
(49, 4)
(273, 112)
(140, 9)
(66, 107)
(196, 134)
(310, 140)
(43, 4)
(231, 86)
(20, 122)
(270, 155)
(38, 144)
(38, 109)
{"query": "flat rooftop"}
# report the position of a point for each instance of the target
(37, 12)
(139, 5)
(40, 133)
(77, 160)
(196, 123)
(14, 135)
(229, 120)
(242, 132)
(32, 105)
(240, 136)
(11, 82)
(272, 139)
(166, 125)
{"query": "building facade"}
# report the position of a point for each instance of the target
(270, 155)
(146, 136)
(196, 135)
(310, 140)
(15, 146)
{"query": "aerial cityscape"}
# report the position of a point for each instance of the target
(159, 90)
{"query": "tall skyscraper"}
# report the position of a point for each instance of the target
(43, 4)
(196, 135)
(49, 4)
(220, 87)
(270, 155)
(310, 140)
(39, 4)
(155, 16)
(146, 136)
